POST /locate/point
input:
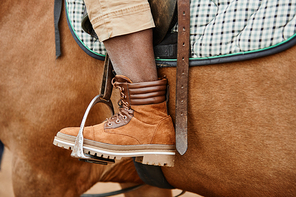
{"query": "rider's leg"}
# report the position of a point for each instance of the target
(125, 27)
(132, 56)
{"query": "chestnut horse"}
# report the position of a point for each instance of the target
(242, 139)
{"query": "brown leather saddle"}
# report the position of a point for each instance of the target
(164, 15)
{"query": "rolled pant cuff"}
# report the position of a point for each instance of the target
(124, 21)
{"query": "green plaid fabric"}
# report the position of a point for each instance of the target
(220, 27)
(75, 9)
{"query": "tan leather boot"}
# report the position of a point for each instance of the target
(141, 129)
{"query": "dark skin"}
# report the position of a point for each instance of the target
(132, 55)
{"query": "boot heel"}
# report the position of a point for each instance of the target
(157, 160)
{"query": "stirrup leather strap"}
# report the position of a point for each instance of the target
(182, 75)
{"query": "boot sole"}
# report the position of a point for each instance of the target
(150, 154)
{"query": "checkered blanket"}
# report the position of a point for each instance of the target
(219, 28)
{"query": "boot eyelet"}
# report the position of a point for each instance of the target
(109, 124)
(117, 121)
(124, 117)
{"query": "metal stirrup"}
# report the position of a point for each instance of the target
(104, 97)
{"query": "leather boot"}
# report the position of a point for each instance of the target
(141, 129)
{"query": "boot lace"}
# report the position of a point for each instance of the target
(123, 107)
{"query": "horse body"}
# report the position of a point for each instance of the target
(241, 116)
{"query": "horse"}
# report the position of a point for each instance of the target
(241, 116)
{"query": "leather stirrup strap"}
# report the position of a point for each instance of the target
(182, 75)
(106, 86)
(58, 4)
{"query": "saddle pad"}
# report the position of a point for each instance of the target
(220, 30)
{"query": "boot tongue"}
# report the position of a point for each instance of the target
(121, 78)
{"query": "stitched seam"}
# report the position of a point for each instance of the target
(123, 135)
(158, 125)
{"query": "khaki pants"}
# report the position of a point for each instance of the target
(111, 18)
